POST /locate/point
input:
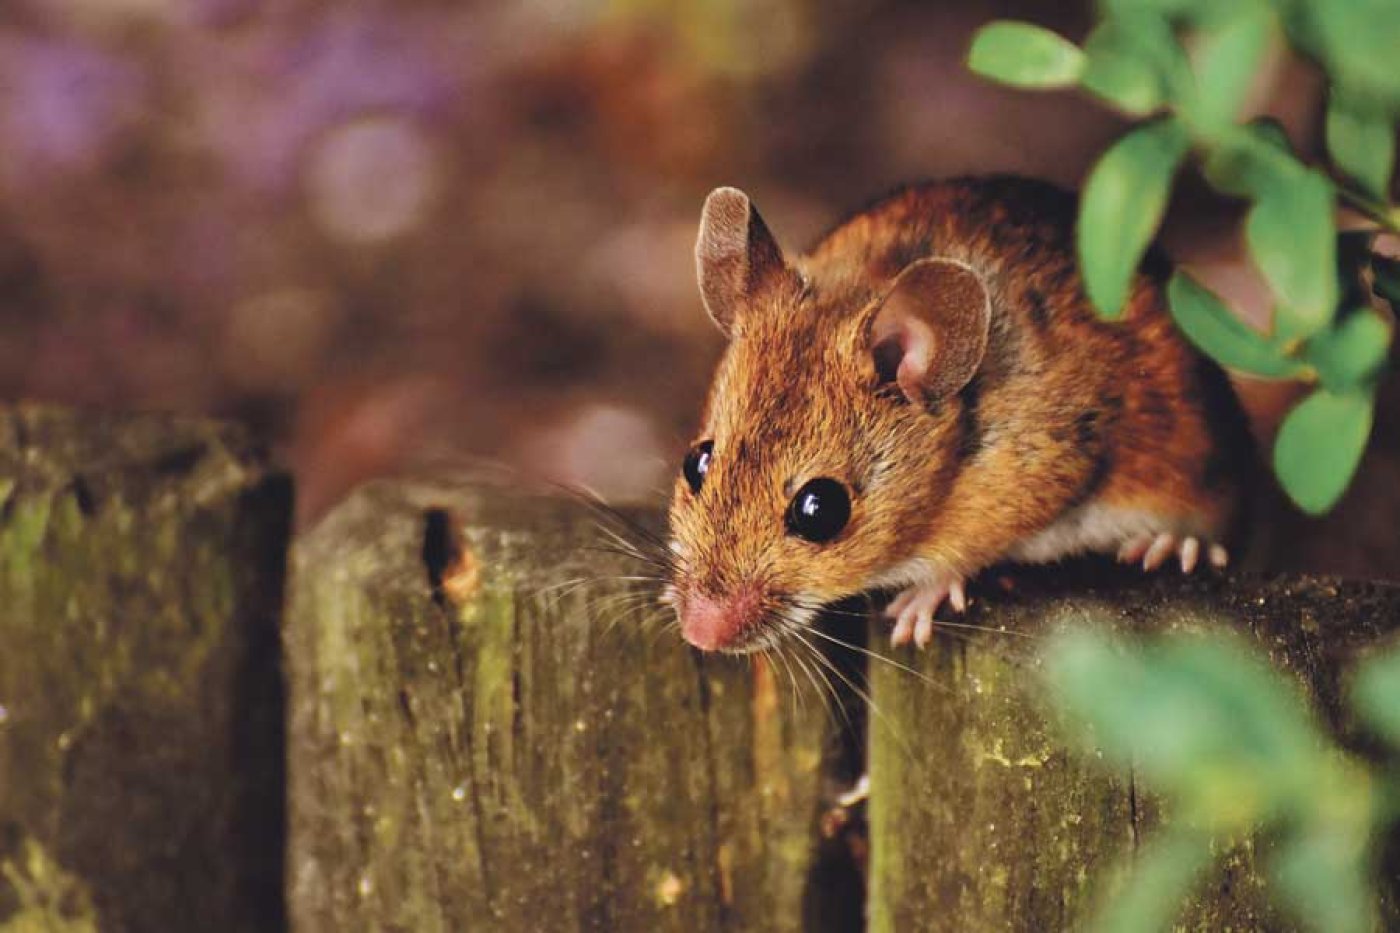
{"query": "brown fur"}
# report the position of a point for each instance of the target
(1065, 408)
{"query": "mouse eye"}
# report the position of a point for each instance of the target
(697, 464)
(819, 511)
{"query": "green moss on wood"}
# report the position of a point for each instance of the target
(533, 756)
(47, 898)
(141, 561)
(985, 817)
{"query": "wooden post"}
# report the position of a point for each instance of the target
(982, 818)
(487, 733)
(489, 726)
(141, 742)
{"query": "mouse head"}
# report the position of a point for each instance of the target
(830, 436)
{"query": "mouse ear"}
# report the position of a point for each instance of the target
(930, 332)
(735, 255)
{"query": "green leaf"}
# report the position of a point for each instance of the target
(1245, 160)
(1269, 131)
(1222, 336)
(1133, 62)
(1172, 9)
(1200, 719)
(1293, 241)
(1375, 693)
(1356, 42)
(1024, 55)
(1226, 60)
(1319, 446)
(1352, 353)
(1361, 142)
(1123, 202)
(1323, 875)
(1161, 877)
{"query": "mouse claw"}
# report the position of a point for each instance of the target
(1154, 550)
(903, 630)
(1132, 550)
(923, 630)
(914, 608)
(1190, 552)
(1162, 546)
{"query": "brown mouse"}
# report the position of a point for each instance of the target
(928, 391)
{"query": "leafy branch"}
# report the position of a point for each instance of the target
(1186, 67)
(1234, 749)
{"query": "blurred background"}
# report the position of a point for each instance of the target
(388, 234)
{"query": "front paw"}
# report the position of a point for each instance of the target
(1153, 551)
(914, 607)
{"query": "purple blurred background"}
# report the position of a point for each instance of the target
(397, 233)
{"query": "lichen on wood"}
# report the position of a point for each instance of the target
(984, 815)
(141, 566)
(489, 731)
(490, 727)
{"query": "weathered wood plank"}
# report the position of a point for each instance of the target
(141, 741)
(982, 818)
(475, 745)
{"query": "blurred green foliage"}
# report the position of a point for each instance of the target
(1234, 750)
(1187, 67)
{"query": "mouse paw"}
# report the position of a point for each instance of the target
(914, 607)
(1153, 551)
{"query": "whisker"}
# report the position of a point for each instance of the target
(864, 695)
(944, 623)
(827, 693)
(839, 713)
(627, 607)
(650, 561)
(874, 656)
(777, 653)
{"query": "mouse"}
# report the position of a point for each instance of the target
(925, 392)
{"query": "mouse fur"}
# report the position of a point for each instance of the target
(1028, 429)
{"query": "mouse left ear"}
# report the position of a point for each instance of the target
(736, 257)
(929, 334)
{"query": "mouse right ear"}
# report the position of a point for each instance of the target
(735, 255)
(930, 332)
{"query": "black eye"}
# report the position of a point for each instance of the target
(697, 464)
(819, 511)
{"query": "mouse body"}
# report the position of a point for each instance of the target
(925, 392)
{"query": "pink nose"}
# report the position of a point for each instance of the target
(713, 624)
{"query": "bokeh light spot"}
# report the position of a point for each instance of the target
(372, 180)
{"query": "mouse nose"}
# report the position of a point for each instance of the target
(713, 624)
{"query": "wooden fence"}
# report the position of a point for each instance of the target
(476, 721)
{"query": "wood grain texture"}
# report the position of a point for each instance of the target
(477, 745)
(983, 816)
(141, 743)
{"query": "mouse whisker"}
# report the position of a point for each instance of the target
(873, 655)
(647, 561)
(971, 627)
(827, 694)
(938, 622)
(616, 518)
(775, 656)
(617, 544)
(861, 693)
(621, 607)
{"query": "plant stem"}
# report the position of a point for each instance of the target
(1377, 211)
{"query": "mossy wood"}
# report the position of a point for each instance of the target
(982, 818)
(488, 731)
(476, 742)
(141, 742)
